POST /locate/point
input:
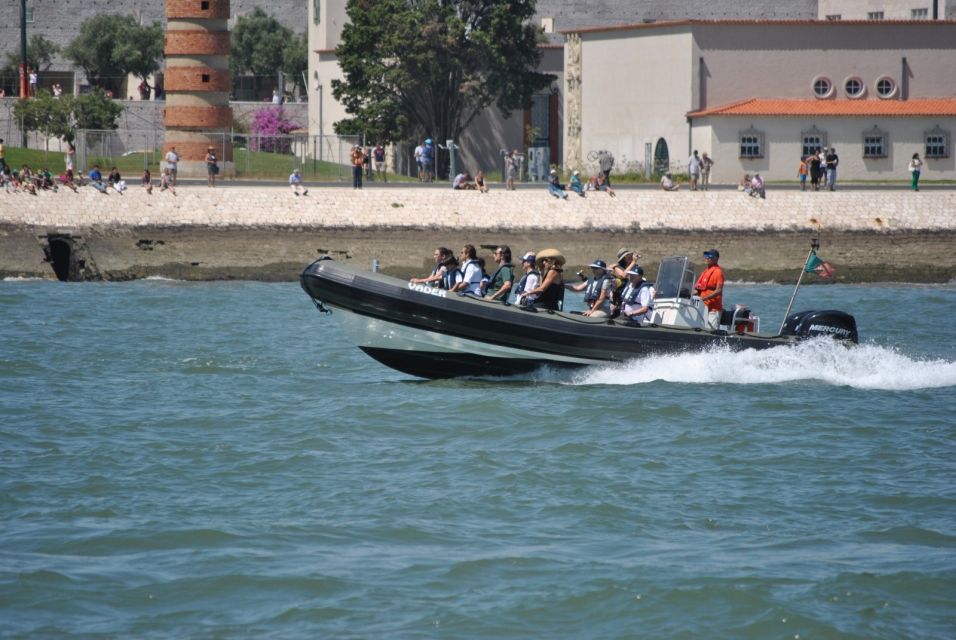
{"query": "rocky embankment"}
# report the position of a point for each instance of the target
(266, 233)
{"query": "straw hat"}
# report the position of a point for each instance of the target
(550, 253)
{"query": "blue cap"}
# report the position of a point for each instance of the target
(528, 257)
(712, 253)
(428, 140)
(636, 271)
(598, 264)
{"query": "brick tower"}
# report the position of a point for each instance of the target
(197, 84)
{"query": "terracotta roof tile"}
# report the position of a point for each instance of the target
(814, 107)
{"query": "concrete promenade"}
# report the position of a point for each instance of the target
(265, 232)
(436, 208)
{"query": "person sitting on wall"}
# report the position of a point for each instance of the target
(602, 185)
(668, 184)
(744, 184)
(295, 183)
(96, 180)
(756, 187)
(461, 182)
(575, 185)
(555, 187)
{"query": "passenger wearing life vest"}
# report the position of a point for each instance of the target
(471, 272)
(710, 288)
(528, 281)
(597, 290)
(637, 299)
(550, 293)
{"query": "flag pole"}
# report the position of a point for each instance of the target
(814, 245)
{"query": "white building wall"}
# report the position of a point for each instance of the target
(635, 90)
(782, 138)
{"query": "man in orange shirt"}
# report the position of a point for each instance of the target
(710, 288)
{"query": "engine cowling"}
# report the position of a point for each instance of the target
(838, 325)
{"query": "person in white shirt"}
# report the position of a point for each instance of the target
(668, 184)
(693, 168)
(419, 154)
(471, 272)
(172, 161)
(638, 297)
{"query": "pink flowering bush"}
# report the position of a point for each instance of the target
(270, 130)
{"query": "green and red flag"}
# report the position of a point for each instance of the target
(818, 266)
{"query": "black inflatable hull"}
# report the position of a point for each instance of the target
(434, 333)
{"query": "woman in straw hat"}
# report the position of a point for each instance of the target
(550, 292)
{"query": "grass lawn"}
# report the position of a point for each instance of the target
(251, 165)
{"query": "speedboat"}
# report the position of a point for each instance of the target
(430, 332)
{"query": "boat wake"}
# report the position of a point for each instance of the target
(820, 360)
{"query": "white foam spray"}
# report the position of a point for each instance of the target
(821, 360)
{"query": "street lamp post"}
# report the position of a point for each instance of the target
(24, 86)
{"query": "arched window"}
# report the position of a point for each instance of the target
(662, 159)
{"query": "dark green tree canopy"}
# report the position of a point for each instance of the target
(40, 54)
(415, 67)
(258, 45)
(61, 117)
(296, 59)
(111, 46)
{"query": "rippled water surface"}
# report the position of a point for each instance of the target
(214, 460)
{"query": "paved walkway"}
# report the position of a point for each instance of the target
(441, 208)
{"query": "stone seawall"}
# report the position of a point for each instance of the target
(268, 233)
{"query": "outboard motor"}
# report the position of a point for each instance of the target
(836, 324)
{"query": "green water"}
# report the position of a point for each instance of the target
(214, 460)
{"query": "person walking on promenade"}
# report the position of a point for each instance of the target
(693, 168)
(705, 164)
(419, 154)
(802, 170)
(70, 156)
(606, 162)
(915, 166)
(172, 163)
(358, 161)
(511, 169)
(832, 161)
(212, 167)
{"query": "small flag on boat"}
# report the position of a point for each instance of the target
(818, 266)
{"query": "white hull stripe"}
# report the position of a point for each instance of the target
(380, 334)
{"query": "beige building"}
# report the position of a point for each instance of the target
(757, 95)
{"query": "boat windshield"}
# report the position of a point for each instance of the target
(674, 278)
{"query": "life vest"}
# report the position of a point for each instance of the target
(632, 294)
(593, 291)
(451, 278)
(494, 284)
(522, 283)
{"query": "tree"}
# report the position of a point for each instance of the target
(110, 46)
(48, 115)
(296, 59)
(258, 46)
(40, 54)
(95, 110)
(430, 67)
(61, 117)
(140, 50)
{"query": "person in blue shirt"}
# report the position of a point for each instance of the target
(96, 179)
